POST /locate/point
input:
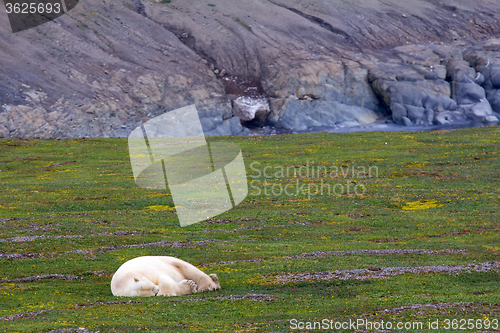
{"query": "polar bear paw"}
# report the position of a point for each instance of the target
(212, 285)
(216, 281)
(191, 286)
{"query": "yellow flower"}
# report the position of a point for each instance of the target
(422, 205)
(159, 208)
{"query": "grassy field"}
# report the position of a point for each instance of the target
(71, 207)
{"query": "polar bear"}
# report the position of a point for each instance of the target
(160, 276)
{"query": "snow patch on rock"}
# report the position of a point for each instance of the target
(248, 108)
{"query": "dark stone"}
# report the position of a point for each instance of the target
(416, 114)
(480, 111)
(412, 77)
(407, 121)
(467, 92)
(460, 70)
(428, 117)
(495, 75)
(398, 112)
(449, 117)
(479, 79)
(432, 76)
(412, 102)
(301, 115)
(446, 103)
(493, 97)
(430, 102)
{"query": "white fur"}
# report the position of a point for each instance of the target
(160, 276)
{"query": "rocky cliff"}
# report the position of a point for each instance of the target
(109, 65)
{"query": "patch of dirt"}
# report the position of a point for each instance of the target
(386, 272)
(252, 297)
(102, 222)
(66, 215)
(295, 214)
(433, 306)
(252, 227)
(22, 159)
(106, 303)
(230, 262)
(23, 315)
(373, 252)
(73, 330)
(32, 238)
(45, 227)
(43, 277)
(357, 216)
(175, 244)
(463, 232)
(7, 219)
(322, 254)
(308, 223)
(450, 233)
(387, 240)
(57, 164)
(481, 292)
(99, 273)
(19, 255)
(221, 221)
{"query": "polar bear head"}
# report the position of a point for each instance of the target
(134, 285)
(142, 286)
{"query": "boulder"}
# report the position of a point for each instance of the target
(469, 95)
(249, 108)
(467, 92)
(491, 120)
(493, 97)
(301, 115)
(449, 118)
(327, 90)
(478, 111)
(412, 99)
(487, 64)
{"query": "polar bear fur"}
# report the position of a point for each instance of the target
(160, 276)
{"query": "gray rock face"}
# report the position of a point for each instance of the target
(106, 67)
(432, 85)
(65, 79)
(335, 93)
(487, 65)
(466, 90)
(301, 115)
(414, 94)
